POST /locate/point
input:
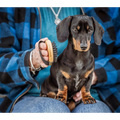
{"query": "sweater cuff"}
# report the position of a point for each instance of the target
(101, 75)
(24, 68)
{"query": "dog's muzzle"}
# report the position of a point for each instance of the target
(83, 45)
(83, 42)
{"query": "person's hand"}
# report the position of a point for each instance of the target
(36, 59)
(94, 79)
(78, 95)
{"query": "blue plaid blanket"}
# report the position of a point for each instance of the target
(20, 30)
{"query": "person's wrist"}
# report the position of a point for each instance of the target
(35, 59)
(33, 67)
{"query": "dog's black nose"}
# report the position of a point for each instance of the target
(83, 47)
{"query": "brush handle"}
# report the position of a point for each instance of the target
(50, 51)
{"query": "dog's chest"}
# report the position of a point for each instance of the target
(77, 74)
(79, 67)
(79, 64)
(76, 80)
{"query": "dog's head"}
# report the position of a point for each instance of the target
(80, 27)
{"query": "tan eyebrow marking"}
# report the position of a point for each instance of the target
(78, 27)
(88, 27)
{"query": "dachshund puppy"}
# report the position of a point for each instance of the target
(74, 68)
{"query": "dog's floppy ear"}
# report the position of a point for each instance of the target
(98, 32)
(63, 29)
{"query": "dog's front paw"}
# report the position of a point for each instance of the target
(62, 98)
(86, 96)
(88, 99)
(62, 95)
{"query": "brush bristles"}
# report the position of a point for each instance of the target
(54, 52)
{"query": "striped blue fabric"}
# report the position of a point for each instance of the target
(20, 30)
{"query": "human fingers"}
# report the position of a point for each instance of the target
(41, 45)
(43, 65)
(44, 53)
(77, 96)
(94, 79)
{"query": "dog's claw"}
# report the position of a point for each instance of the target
(43, 95)
(59, 99)
(64, 101)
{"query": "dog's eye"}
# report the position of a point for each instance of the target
(75, 29)
(90, 30)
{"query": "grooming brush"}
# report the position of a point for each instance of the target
(52, 52)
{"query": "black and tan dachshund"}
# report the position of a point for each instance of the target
(74, 68)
